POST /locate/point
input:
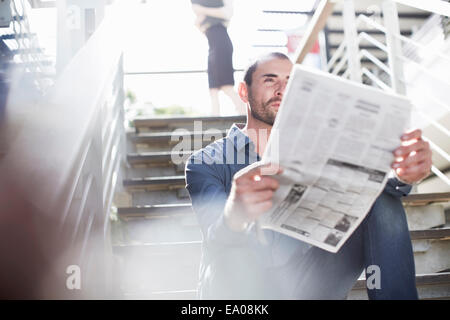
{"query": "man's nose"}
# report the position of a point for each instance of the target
(280, 89)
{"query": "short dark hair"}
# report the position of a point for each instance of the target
(248, 73)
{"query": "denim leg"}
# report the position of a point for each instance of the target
(319, 274)
(387, 244)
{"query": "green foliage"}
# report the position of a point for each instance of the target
(172, 110)
(130, 96)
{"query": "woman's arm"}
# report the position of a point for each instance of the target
(198, 22)
(224, 12)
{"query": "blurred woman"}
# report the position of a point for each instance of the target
(212, 19)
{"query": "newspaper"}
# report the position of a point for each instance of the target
(334, 139)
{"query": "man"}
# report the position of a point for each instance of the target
(228, 196)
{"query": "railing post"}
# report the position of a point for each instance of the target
(351, 41)
(394, 46)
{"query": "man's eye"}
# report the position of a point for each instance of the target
(268, 80)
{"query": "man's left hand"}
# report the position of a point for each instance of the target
(413, 158)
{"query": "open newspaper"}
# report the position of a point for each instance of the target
(334, 139)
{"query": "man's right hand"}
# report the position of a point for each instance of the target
(250, 196)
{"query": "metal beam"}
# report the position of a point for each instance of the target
(435, 6)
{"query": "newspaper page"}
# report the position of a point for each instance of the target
(334, 139)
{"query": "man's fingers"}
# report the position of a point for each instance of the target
(417, 158)
(257, 170)
(418, 169)
(256, 183)
(252, 198)
(403, 151)
(414, 173)
(258, 209)
(266, 170)
(414, 134)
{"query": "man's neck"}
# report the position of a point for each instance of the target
(258, 132)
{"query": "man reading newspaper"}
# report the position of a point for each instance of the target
(228, 195)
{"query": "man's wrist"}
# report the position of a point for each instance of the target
(233, 221)
(405, 182)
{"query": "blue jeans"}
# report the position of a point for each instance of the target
(381, 240)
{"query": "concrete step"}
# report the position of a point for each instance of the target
(426, 210)
(163, 210)
(155, 183)
(172, 138)
(170, 270)
(431, 249)
(143, 198)
(162, 295)
(429, 286)
(159, 267)
(188, 123)
(426, 198)
(167, 141)
(423, 240)
(159, 158)
(431, 234)
(156, 229)
(166, 223)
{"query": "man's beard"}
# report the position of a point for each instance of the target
(262, 111)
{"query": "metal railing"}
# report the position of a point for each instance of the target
(64, 157)
(394, 79)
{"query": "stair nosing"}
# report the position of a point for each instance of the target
(421, 280)
(426, 198)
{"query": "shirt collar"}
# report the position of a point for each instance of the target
(238, 137)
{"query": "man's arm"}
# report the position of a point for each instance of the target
(225, 12)
(208, 195)
(224, 218)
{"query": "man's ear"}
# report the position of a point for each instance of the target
(243, 92)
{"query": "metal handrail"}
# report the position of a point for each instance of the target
(375, 60)
(375, 42)
(377, 81)
(335, 67)
(136, 73)
(436, 148)
(441, 175)
(428, 96)
(436, 124)
(436, 6)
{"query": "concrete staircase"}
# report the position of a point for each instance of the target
(157, 240)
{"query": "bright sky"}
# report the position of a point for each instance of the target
(162, 37)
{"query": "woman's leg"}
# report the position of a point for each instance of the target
(215, 106)
(232, 94)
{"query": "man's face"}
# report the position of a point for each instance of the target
(266, 91)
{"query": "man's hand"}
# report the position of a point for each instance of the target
(412, 159)
(250, 196)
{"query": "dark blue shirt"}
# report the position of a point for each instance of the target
(209, 175)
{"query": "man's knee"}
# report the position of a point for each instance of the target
(388, 214)
(235, 274)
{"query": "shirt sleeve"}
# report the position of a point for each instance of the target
(208, 195)
(397, 188)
